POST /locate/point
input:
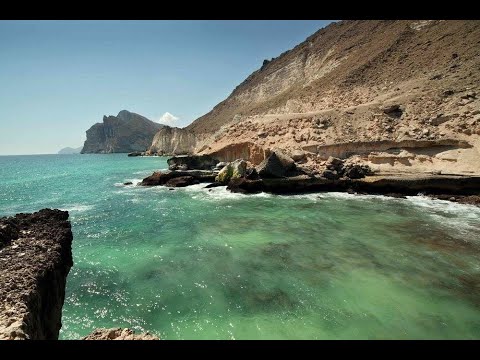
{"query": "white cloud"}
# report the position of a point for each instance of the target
(168, 119)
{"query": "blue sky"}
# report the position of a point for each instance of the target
(57, 78)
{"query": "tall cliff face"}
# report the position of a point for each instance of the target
(126, 132)
(35, 258)
(173, 141)
(360, 82)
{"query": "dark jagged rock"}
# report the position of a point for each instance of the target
(128, 183)
(8, 232)
(181, 181)
(467, 187)
(331, 174)
(136, 153)
(157, 178)
(242, 185)
(192, 162)
(277, 165)
(356, 171)
(214, 184)
(34, 264)
(251, 174)
(161, 178)
(125, 133)
(462, 199)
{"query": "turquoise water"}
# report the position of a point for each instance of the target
(199, 264)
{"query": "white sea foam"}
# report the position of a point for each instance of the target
(77, 207)
(219, 193)
(134, 182)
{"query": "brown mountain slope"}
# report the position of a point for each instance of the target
(334, 90)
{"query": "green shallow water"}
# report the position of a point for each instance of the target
(199, 264)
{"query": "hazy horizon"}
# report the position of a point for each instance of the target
(60, 77)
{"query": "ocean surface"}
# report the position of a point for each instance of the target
(194, 263)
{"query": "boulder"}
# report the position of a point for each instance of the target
(181, 181)
(356, 171)
(334, 164)
(331, 174)
(392, 110)
(197, 162)
(128, 183)
(157, 178)
(298, 155)
(233, 170)
(276, 165)
(135, 153)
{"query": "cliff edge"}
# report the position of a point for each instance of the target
(35, 258)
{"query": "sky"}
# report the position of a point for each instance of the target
(58, 78)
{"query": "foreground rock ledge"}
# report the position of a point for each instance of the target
(118, 334)
(35, 258)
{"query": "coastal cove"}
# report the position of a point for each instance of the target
(196, 263)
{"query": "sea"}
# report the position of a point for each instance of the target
(196, 263)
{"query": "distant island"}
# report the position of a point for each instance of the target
(69, 150)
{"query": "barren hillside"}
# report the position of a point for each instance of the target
(368, 87)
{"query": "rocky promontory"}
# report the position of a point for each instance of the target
(124, 133)
(35, 258)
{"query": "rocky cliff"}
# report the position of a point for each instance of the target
(35, 258)
(126, 132)
(366, 83)
(173, 141)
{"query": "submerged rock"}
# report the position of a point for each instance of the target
(118, 334)
(128, 183)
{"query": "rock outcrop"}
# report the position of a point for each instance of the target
(165, 178)
(118, 334)
(192, 162)
(35, 258)
(124, 133)
(230, 171)
(173, 141)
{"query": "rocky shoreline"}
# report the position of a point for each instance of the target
(280, 174)
(35, 259)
